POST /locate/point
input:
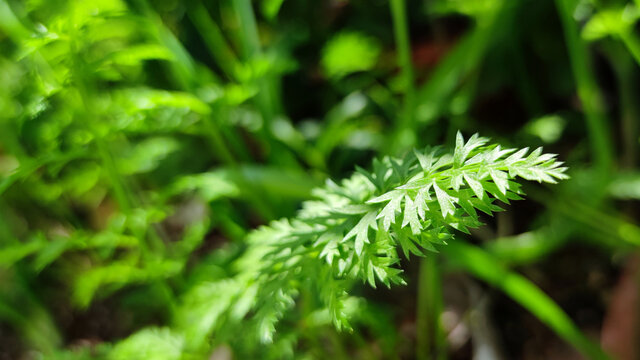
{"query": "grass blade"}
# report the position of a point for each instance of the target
(483, 266)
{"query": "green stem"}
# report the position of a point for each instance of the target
(404, 131)
(624, 67)
(226, 59)
(632, 44)
(250, 43)
(183, 69)
(121, 193)
(487, 268)
(435, 98)
(430, 335)
(218, 146)
(588, 91)
(213, 38)
(268, 98)
(248, 28)
(217, 141)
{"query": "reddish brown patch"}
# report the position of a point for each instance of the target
(619, 328)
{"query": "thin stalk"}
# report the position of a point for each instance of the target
(430, 335)
(226, 59)
(625, 68)
(183, 69)
(587, 88)
(127, 201)
(405, 137)
(268, 99)
(248, 27)
(632, 44)
(460, 67)
(485, 267)
(587, 218)
(213, 38)
(122, 194)
(218, 146)
(250, 43)
(309, 332)
(217, 141)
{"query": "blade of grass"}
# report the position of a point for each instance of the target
(632, 44)
(587, 88)
(250, 43)
(625, 67)
(596, 220)
(485, 267)
(434, 97)
(213, 38)
(405, 137)
(184, 71)
(268, 98)
(430, 335)
(581, 215)
(528, 247)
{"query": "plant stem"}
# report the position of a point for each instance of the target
(250, 43)
(461, 62)
(625, 67)
(248, 27)
(405, 138)
(183, 69)
(121, 193)
(430, 336)
(268, 98)
(216, 139)
(212, 36)
(588, 91)
(632, 44)
(485, 267)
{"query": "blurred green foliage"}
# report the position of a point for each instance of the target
(349, 52)
(144, 143)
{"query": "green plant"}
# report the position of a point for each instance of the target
(353, 230)
(144, 145)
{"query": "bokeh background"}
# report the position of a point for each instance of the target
(142, 140)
